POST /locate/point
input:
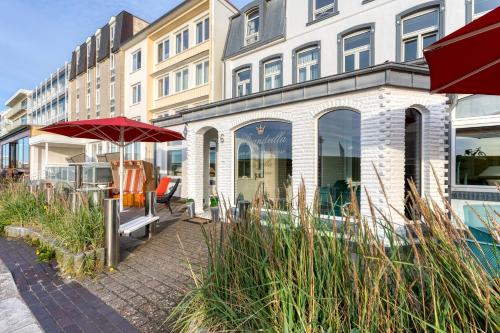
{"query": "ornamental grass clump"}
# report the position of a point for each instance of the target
(77, 231)
(296, 272)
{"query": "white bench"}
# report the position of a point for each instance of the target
(126, 229)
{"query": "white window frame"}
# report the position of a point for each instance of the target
(163, 55)
(419, 35)
(162, 79)
(203, 30)
(87, 102)
(136, 60)
(477, 15)
(273, 75)
(112, 36)
(88, 54)
(136, 93)
(181, 34)
(184, 72)
(112, 61)
(318, 12)
(205, 72)
(308, 65)
(98, 96)
(97, 70)
(356, 51)
(97, 44)
(243, 83)
(251, 38)
(469, 122)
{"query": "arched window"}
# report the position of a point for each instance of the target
(264, 161)
(339, 160)
(244, 158)
(413, 156)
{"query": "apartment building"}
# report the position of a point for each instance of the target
(324, 92)
(97, 74)
(14, 135)
(172, 65)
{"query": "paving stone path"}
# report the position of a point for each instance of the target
(58, 305)
(153, 274)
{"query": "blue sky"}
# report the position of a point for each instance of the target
(38, 36)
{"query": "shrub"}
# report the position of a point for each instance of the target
(296, 273)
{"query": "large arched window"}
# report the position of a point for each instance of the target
(339, 160)
(264, 161)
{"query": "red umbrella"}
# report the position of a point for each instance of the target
(468, 60)
(119, 130)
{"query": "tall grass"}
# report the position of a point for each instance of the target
(293, 274)
(76, 231)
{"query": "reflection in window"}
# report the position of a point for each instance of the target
(323, 8)
(478, 106)
(213, 162)
(264, 161)
(243, 82)
(253, 26)
(339, 160)
(308, 64)
(357, 50)
(413, 155)
(174, 162)
(477, 156)
(420, 30)
(272, 74)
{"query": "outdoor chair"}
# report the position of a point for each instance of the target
(168, 197)
(162, 187)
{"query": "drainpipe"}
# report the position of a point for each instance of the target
(46, 159)
(452, 101)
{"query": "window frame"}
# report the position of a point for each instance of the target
(205, 72)
(205, 34)
(254, 37)
(184, 72)
(162, 79)
(136, 93)
(439, 4)
(136, 60)
(235, 77)
(351, 32)
(262, 75)
(315, 14)
(183, 47)
(164, 56)
(295, 54)
(470, 14)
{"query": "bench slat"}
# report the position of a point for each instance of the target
(136, 224)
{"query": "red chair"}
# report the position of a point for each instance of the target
(162, 187)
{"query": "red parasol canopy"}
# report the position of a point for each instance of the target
(468, 60)
(118, 130)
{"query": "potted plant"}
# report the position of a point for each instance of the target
(214, 208)
(190, 207)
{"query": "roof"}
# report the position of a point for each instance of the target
(387, 74)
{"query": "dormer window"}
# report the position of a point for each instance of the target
(77, 56)
(323, 8)
(252, 26)
(97, 44)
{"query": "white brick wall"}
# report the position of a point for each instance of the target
(382, 143)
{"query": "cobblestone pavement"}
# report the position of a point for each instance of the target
(58, 305)
(153, 274)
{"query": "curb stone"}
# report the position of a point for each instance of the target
(15, 316)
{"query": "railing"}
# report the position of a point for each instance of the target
(94, 173)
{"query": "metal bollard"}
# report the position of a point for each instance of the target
(243, 209)
(111, 224)
(74, 200)
(150, 210)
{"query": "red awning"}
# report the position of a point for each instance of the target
(468, 60)
(117, 130)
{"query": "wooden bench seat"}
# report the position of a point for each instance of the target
(127, 228)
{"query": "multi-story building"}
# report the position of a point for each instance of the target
(97, 74)
(14, 135)
(327, 92)
(174, 64)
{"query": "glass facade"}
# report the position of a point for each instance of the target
(339, 160)
(263, 162)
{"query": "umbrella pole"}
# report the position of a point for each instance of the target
(121, 176)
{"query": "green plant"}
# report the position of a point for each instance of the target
(295, 272)
(45, 253)
(189, 200)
